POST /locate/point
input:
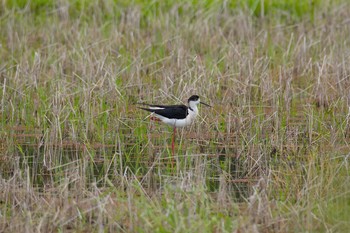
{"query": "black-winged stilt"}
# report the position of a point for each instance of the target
(177, 116)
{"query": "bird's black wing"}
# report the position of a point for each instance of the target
(162, 106)
(171, 111)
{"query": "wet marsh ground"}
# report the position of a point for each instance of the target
(271, 155)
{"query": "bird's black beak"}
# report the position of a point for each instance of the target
(205, 104)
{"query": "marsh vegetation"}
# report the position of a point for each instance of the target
(272, 155)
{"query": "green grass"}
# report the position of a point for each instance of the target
(272, 155)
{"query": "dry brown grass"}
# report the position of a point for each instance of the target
(76, 155)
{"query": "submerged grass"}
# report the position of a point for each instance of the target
(272, 155)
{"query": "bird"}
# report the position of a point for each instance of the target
(177, 116)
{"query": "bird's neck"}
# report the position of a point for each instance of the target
(193, 107)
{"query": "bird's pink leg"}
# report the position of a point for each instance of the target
(173, 146)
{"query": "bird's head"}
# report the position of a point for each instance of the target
(194, 100)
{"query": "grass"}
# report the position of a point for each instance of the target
(272, 155)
